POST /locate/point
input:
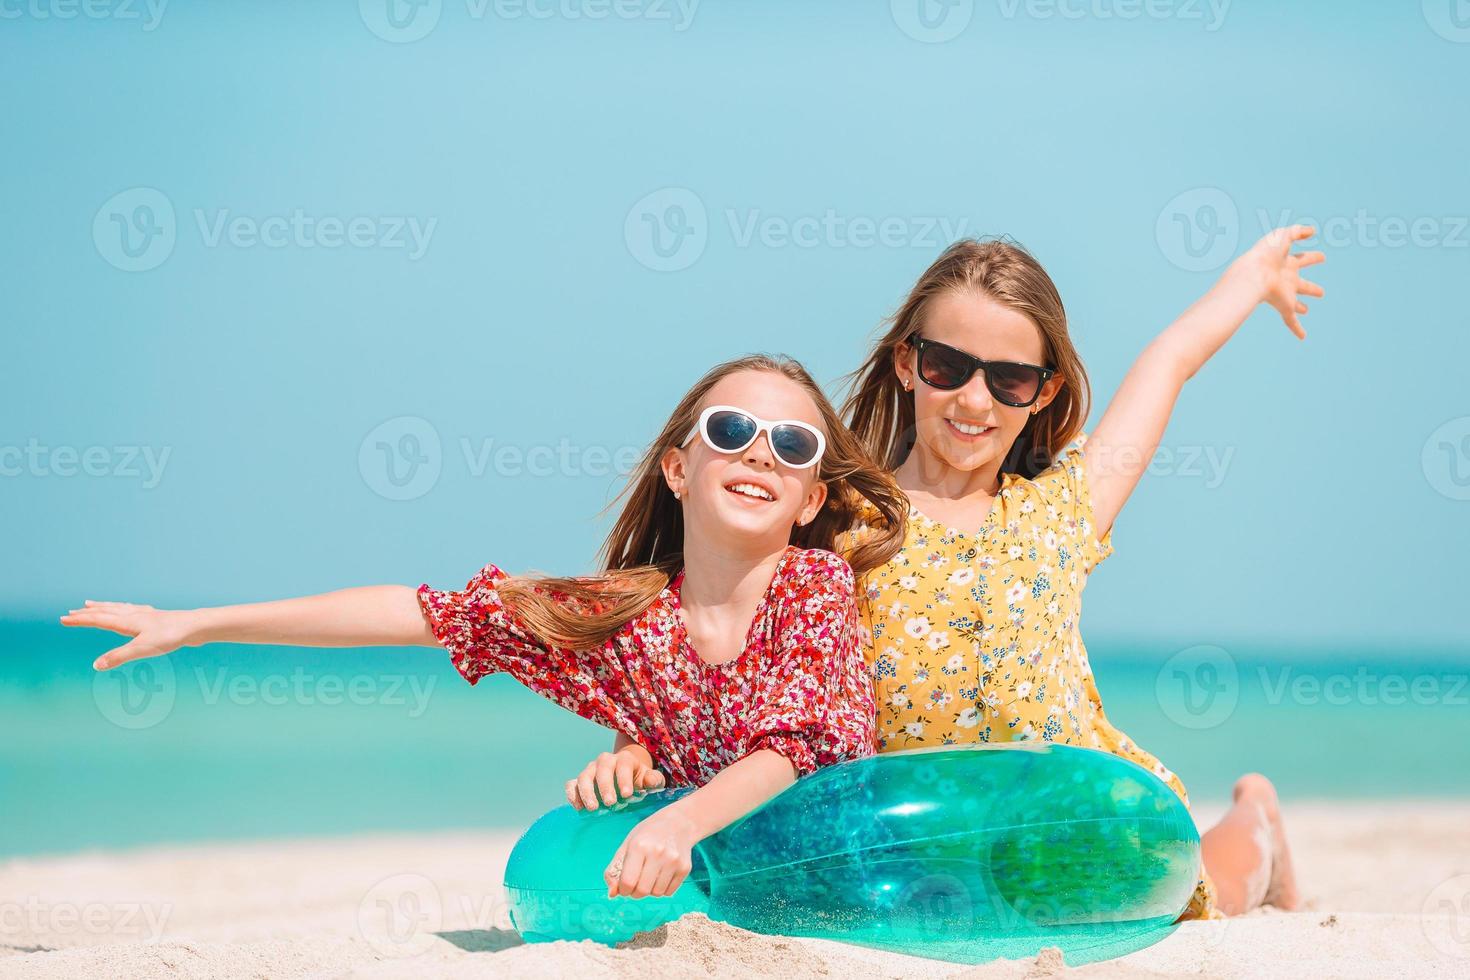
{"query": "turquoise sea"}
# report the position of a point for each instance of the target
(227, 742)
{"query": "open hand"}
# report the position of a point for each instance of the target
(611, 778)
(154, 632)
(1277, 272)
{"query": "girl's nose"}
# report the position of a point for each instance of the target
(759, 453)
(974, 396)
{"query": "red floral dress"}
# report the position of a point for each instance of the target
(800, 685)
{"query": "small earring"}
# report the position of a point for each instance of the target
(676, 495)
(905, 384)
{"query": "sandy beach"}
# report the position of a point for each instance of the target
(1387, 886)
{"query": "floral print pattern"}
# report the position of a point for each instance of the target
(800, 685)
(972, 636)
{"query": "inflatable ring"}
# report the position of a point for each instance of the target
(965, 854)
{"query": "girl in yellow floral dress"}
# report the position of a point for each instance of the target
(976, 398)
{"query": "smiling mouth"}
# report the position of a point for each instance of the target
(751, 491)
(968, 430)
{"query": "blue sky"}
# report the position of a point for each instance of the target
(310, 296)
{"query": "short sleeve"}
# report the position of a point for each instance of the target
(482, 637)
(815, 703)
(474, 625)
(1065, 487)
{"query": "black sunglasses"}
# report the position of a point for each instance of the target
(947, 368)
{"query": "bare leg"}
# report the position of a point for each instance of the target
(1246, 853)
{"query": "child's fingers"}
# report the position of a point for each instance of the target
(607, 789)
(625, 879)
(573, 800)
(613, 873)
(586, 790)
(1310, 289)
(1301, 232)
(128, 652)
(663, 884)
(651, 779)
(1301, 307)
(624, 776)
(1294, 324)
(97, 620)
(1304, 259)
(648, 872)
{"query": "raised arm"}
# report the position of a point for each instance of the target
(1122, 444)
(373, 615)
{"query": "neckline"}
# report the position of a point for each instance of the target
(1006, 479)
(686, 646)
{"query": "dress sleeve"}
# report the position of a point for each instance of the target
(815, 702)
(482, 637)
(474, 625)
(1065, 487)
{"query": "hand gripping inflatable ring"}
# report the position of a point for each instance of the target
(965, 854)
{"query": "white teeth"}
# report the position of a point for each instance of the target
(970, 430)
(750, 490)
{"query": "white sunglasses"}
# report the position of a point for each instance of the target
(727, 429)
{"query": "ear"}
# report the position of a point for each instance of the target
(815, 498)
(903, 362)
(674, 464)
(1049, 390)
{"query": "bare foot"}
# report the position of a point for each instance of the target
(1253, 788)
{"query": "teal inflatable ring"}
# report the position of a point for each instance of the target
(965, 854)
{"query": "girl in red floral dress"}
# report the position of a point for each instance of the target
(722, 635)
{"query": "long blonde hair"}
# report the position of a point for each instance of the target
(645, 547)
(881, 413)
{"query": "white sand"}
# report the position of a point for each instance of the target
(1388, 889)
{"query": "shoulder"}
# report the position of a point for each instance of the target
(811, 569)
(1059, 482)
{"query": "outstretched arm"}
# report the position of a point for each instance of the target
(373, 615)
(1122, 444)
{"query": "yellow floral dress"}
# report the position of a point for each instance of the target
(973, 636)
